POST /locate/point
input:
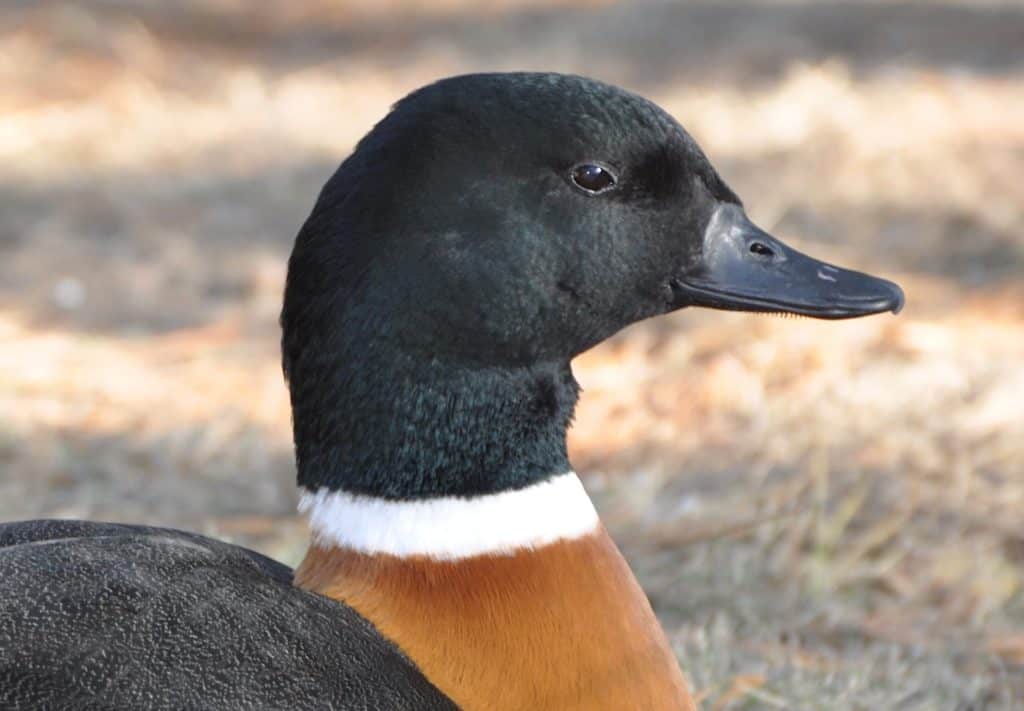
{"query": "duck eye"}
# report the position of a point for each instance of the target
(592, 178)
(760, 248)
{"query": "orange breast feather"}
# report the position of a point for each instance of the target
(562, 627)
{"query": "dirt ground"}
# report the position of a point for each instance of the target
(825, 515)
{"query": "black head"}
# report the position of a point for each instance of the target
(499, 221)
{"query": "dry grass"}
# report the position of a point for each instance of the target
(826, 516)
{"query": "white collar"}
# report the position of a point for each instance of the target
(450, 528)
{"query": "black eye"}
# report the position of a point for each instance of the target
(592, 178)
(761, 249)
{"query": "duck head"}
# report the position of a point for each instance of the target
(498, 222)
(517, 217)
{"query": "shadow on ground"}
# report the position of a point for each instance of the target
(642, 44)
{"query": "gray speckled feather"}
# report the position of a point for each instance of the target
(108, 616)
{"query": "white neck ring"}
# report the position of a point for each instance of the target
(450, 528)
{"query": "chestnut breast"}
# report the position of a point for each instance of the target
(563, 626)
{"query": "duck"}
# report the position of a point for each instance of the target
(488, 230)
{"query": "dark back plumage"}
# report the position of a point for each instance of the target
(100, 615)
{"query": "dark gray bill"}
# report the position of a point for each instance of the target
(743, 268)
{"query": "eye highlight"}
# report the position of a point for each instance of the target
(592, 178)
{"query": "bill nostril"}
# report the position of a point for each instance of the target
(761, 249)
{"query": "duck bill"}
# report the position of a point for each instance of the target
(743, 268)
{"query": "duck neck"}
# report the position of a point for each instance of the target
(402, 429)
(443, 510)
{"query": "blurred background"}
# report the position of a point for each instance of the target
(825, 515)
